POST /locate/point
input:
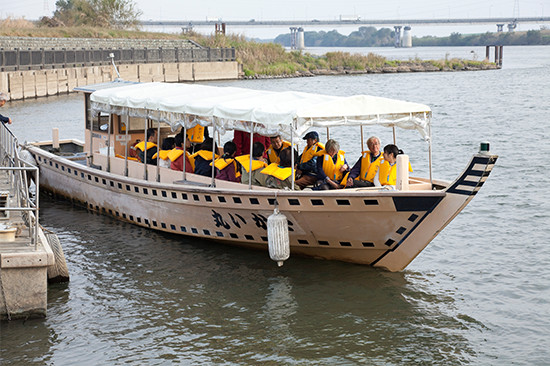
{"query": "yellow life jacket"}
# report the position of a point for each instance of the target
(388, 173)
(244, 160)
(129, 157)
(272, 155)
(278, 172)
(163, 154)
(368, 169)
(205, 154)
(331, 169)
(222, 163)
(174, 154)
(196, 134)
(310, 153)
(141, 145)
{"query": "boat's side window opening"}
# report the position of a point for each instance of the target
(401, 230)
(389, 242)
(206, 232)
(56, 166)
(293, 202)
(89, 177)
(183, 229)
(194, 231)
(303, 241)
(172, 227)
(127, 187)
(343, 202)
(196, 197)
(370, 202)
(208, 198)
(249, 237)
(104, 181)
(69, 170)
(163, 193)
(413, 217)
(174, 195)
(233, 235)
(75, 173)
(221, 199)
(51, 164)
(237, 200)
(63, 167)
(264, 238)
(82, 175)
(119, 185)
(315, 202)
(184, 196)
(345, 244)
(368, 244)
(219, 233)
(155, 224)
(145, 191)
(131, 218)
(139, 219)
(136, 189)
(254, 201)
(323, 242)
(154, 192)
(96, 179)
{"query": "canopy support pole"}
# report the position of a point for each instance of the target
(394, 140)
(213, 182)
(184, 148)
(430, 150)
(292, 154)
(92, 138)
(126, 148)
(145, 150)
(250, 162)
(158, 147)
(362, 141)
(109, 143)
(328, 134)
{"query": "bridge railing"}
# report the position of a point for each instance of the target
(18, 180)
(37, 59)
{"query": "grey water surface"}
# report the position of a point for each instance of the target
(478, 294)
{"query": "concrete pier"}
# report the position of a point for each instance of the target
(24, 250)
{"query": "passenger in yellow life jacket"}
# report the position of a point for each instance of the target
(331, 166)
(364, 171)
(176, 155)
(277, 144)
(258, 164)
(226, 166)
(388, 167)
(196, 134)
(167, 145)
(203, 158)
(150, 139)
(280, 175)
(307, 166)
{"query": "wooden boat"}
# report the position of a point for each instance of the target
(372, 226)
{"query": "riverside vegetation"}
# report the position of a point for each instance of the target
(259, 59)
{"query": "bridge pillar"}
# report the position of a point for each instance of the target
(293, 37)
(500, 28)
(397, 29)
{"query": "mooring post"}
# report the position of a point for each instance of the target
(500, 56)
(487, 52)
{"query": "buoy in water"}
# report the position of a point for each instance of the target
(277, 237)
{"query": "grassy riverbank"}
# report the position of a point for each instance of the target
(258, 59)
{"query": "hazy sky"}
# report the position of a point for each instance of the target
(304, 9)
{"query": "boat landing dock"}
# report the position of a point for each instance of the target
(25, 253)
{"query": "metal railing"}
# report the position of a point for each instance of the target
(38, 59)
(18, 180)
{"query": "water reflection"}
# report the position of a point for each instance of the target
(137, 296)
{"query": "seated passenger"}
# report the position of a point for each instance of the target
(167, 145)
(258, 164)
(226, 166)
(331, 166)
(203, 158)
(176, 155)
(280, 175)
(307, 167)
(150, 138)
(364, 171)
(242, 140)
(277, 144)
(388, 167)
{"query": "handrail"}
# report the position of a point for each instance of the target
(17, 177)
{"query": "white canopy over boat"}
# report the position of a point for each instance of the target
(265, 112)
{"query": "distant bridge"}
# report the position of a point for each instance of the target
(373, 22)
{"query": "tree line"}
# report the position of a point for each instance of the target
(385, 37)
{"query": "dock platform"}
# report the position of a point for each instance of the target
(25, 254)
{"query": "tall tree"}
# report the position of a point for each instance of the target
(98, 13)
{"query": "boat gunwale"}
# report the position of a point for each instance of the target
(353, 192)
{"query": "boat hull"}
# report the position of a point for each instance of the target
(382, 228)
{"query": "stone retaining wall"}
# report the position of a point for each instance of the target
(39, 83)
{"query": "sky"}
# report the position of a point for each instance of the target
(308, 9)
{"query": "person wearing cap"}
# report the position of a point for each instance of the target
(307, 165)
(3, 99)
(277, 144)
(364, 171)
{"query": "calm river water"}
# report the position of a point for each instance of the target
(479, 294)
